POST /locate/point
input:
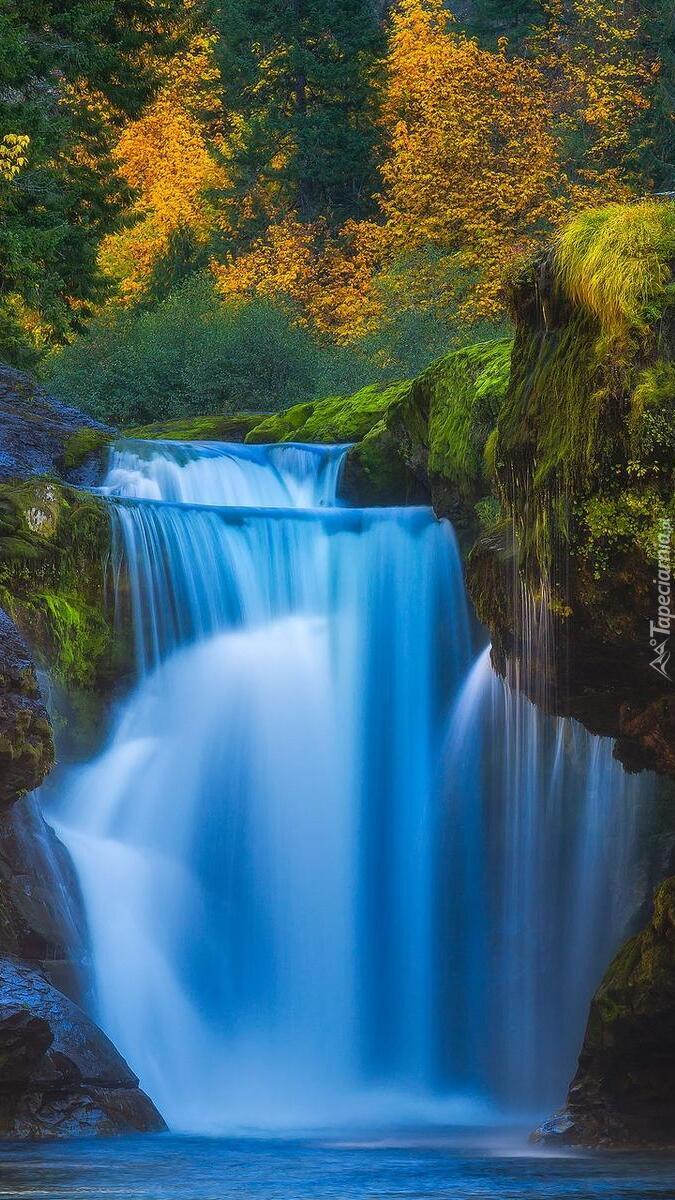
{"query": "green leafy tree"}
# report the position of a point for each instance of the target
(299, 94)
(70, 73)
(491, 19)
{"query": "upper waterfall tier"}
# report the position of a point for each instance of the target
(232, 475)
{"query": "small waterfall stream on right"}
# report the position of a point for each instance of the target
(540, 843)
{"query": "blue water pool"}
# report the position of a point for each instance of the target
(451, 1166)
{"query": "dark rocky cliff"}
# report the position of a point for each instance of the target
(59, 1074)
(623, 1093)
(574, 581)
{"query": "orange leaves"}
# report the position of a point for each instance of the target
(472, 164)
(329, 280)
(166, 157)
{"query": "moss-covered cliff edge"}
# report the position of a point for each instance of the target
(584, 466)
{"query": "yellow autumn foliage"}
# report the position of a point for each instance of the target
(167, 157)
(13, 155)
(598, 78)
(472, 165)
(329, 279)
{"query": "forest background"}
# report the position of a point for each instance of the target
(212, 207)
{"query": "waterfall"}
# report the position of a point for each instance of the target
(541, 835)
(331, 864)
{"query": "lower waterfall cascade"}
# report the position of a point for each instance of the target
(333, 866)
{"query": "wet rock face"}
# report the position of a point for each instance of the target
(60, 1076)
(623, 1093)
(26, 746)
(41, 914)
(34, 427)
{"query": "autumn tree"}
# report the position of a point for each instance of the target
(171, 156)
(328, 278)
(656, 127)
(472, 165)
(600, 82)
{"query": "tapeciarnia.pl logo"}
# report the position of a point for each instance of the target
(659, 630)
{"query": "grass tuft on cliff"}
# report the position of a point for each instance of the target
(615, 263)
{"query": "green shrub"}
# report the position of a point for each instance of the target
(194, 355)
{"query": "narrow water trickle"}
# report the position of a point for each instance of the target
(333, 867)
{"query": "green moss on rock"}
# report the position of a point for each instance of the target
(333, 419)
(198, 429)
(612, 525)
(466, 390)
(82, 445)
(26, 745)
(376, 473)
(54, 588)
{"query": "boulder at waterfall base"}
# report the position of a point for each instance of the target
(60, 1076)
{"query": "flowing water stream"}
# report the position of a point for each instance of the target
(334, 868)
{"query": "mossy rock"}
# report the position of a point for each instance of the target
(84, 445)
(198, 429)
(335, 419)
(376, 473)
(26, 745)
(466, 391)
(623, 1093)
(54, 588)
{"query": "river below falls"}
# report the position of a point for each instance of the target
(456, 1165)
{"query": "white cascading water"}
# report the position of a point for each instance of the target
(331, 870)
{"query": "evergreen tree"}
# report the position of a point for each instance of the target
(299, 94)
(70, 73)
(489, 20)
(657, 19)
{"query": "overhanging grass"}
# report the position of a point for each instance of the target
(615, 263)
